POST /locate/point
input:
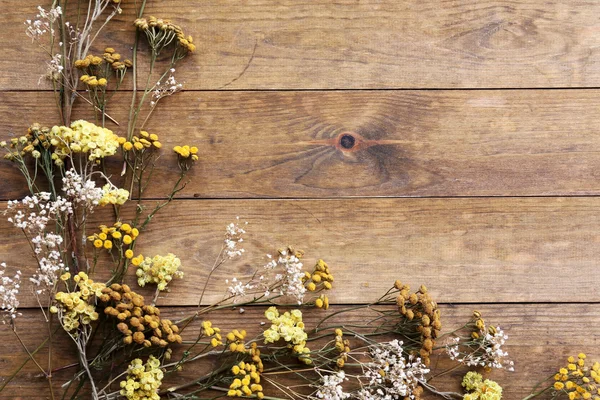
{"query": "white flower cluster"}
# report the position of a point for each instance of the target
(488, 353)
(238, 288)
(43, 22)
(32, 215)
(9, 288)
(390, 375)
(291, 278)
(85, 193)
(233, 238)
(55, 68)
(163, 89)
(47, 247)
(331, 387)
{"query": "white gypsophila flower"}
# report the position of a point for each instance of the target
(330, 387)
(233, 239)
(291, 276)
(33, 215)
(54, 68)
(9, 289)
(238, 288)
(165, 88)
(390, 375)
(43, 23)
(486, 353)
(50, 265)
(82, 193)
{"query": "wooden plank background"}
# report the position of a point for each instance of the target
(477, 175)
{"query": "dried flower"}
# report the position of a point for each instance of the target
(139, 323)
(482, 348)
(113, 195)
(165, 88)
(78, 308)
(290, 328)
(83, 137)
(9, 289)
(330, 387)
(143, 380)
(85, 194)
(292, 278)
(43, 22)
(480, 389)
(390, 375)
(233, 239)
(159, 270)
(577, 380)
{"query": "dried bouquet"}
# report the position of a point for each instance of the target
(124, 345)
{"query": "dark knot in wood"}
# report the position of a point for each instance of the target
(347, 141)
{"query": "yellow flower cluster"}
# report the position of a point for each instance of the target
(119, 235)
(480, 389)
(145, 140)
(82, 137)
(289, 327)
(143, 380)
(138, 322)
(113, 195)
(577, 380)
(420, 307)
(157, 27)
(213, 331)
(187, 152)
(247, 376)
(93, 81)
(77, 308)
(114, 59)
(235, 339)
(342, 346)
(89, 60)
(159, 270)
(110, 56)
(35, 140)
(320, 279)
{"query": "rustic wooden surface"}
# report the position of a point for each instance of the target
(502, 181)
(520, 246)
(418, 143)
(367, 44)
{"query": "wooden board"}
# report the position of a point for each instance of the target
(541, 337)
(349, 45)
(411, 143)
(464, 250)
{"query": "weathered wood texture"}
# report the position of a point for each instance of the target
(275, 155)
(321, 44)
(411, 143)
(464, 250)
(541, 337)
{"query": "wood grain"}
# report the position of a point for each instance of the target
(541, 337)
(318, 44)
(407, 143)
(464, 250)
